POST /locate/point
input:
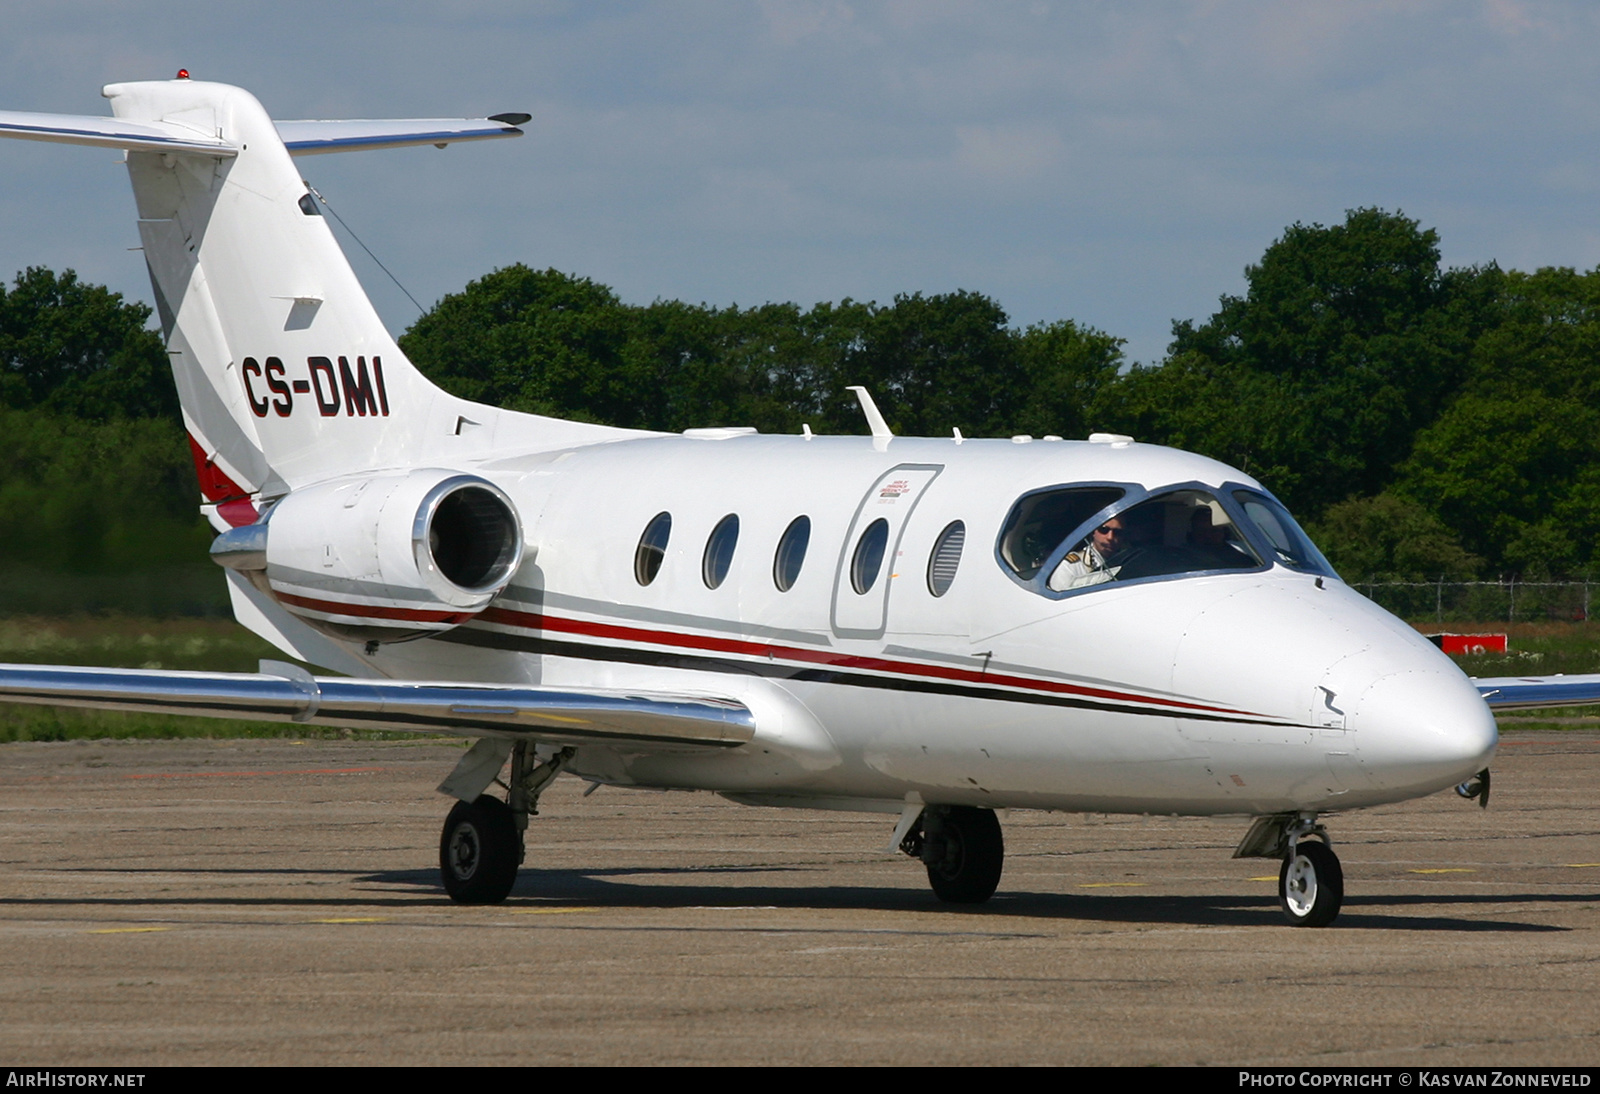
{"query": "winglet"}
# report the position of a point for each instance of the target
(880, 428)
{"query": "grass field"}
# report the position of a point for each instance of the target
(217, 645)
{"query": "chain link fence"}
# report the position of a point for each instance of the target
(1510, 599)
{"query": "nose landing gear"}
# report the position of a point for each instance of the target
(1310, 885)
(1310, 881)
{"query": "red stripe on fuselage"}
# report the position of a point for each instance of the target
(372, 611)
(535, 621)
(710, 644)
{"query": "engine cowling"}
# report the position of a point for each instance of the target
(382, 557)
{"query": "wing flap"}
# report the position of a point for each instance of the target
(110, 133)
(568, 716)
(311, 138)
(1531, 692)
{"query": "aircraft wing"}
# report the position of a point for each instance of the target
(310, 138)
(1529, 692)
(287, 693)
(110, 133)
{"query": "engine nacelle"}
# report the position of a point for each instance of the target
(385, 556)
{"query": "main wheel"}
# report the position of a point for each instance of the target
(1311, 885)
(964, 853)
(479, 851)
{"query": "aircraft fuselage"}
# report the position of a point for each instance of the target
(1251, 691)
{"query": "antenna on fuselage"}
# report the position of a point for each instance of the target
(880, 428)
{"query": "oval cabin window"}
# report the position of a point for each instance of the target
(868, 559)
(791, 553)
(719, 551)
(946, 557)
(652, 548)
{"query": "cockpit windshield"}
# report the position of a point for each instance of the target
(1289, 544)
(1040, 522)
(1186, 531)
(1073, 538)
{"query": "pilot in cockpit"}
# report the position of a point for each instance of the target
(1096, 561)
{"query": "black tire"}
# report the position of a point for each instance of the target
(479, 852)
(969, 853)
(1311, 885)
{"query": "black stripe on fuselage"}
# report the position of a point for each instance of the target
(585, 651)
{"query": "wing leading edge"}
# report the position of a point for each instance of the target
(287, 693)
(1529, 692)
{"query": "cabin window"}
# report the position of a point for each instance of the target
(1289, 544)
(1179, 532)
(868, 559)
(946, 557)
(719, 551)
(1041, 522)
(791, 553)
(652, 548)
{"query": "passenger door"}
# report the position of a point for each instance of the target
(861, 587)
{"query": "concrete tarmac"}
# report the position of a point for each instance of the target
(267, 902)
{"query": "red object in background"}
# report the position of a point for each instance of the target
(1469, 643)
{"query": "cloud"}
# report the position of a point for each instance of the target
(1117, 164)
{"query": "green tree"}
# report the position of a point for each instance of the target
(80, 350)
(1514, 463)
(1347, 342)
(552, 343)
(1390, 537)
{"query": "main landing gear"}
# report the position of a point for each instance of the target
(481, 846)
(1310, 881)
(962, 848)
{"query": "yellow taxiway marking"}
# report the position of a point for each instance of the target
(1580, 865)
(1266, 877)
(1445, 870)
(1113, 885)
(129, 930)
(353, 919)
(549, 911)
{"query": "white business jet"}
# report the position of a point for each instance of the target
(933, 629)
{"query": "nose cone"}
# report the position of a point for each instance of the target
(1369, 710)
(1423, 729)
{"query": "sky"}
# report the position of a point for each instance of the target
(1119, 165)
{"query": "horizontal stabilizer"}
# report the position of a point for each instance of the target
(1528, 692)
(564, 716)
(310, 138)
(111, 133)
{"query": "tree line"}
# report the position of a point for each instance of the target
(1422, 421)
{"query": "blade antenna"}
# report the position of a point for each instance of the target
(316, 194)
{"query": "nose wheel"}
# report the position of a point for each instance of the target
(1310, 885)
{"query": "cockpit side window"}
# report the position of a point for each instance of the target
(1290, 545)
(1040, 522)
(1180, 532)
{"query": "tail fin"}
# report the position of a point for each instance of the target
(285, 373)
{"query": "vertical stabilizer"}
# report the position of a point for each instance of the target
(285, 372)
